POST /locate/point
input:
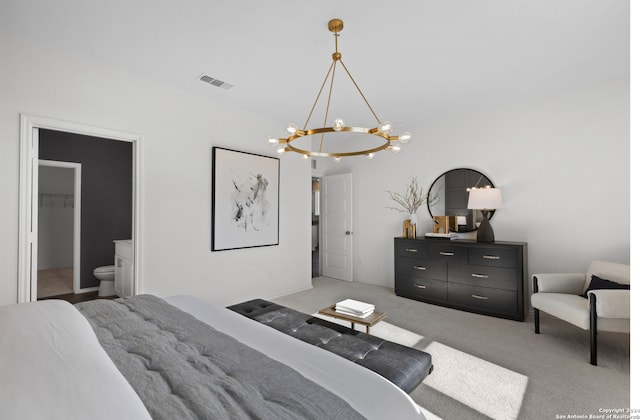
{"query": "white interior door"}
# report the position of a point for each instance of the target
(31, 289)
(337, 235)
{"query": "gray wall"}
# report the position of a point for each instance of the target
(106, 193)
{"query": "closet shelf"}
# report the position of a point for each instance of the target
(56, 200)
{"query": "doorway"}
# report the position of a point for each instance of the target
(59, 212)
(30, 127)
(315, 227)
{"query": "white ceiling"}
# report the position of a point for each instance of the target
(413, 59)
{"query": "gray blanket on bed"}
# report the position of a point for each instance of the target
(184, 369)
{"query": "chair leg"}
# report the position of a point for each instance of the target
(536, 312)
(593, 329)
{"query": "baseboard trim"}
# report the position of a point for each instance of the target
(289, 292)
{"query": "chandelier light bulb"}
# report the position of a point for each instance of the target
(305, 157)
(281, 150)
(404, 137)
(395, 148)
(385, 127)
(273, 141)
(338, 159)
(370, 156)
(338, 124)
(292, 128)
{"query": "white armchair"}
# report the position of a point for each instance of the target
(606, 309)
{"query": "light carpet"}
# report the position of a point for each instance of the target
(555, 364)
(485, 387)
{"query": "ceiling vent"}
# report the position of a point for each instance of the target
(214, 82)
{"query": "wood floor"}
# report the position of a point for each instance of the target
(80, 297)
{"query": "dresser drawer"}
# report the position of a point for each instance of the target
(483, 298)
(480, 275)
(448, 252)
(422, 268)
(494, 257)
(425, 288)
(414, 249)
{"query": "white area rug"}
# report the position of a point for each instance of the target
(428, 415)
(488, 388)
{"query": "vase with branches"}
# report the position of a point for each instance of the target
(413, 198)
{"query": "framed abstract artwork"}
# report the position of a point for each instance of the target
(245, 200)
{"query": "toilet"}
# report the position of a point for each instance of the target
(106, 274)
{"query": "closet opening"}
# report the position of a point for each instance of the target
(315, 227)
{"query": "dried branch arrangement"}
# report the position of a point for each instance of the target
(414, 197)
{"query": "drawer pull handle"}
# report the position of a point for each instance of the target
(491, 257)
(411, 250)
(419, 267)
(479, 297)
(479, 276)
(420, 286)
(448, 254)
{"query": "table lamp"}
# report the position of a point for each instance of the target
(485, 200)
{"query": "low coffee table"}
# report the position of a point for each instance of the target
(368, 321)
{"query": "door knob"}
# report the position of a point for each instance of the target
(348, 233)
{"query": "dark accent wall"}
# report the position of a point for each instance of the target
(107, 189)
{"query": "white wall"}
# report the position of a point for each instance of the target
(179, 129)
(562, 162)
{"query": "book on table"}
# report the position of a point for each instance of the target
(354, 314)
(354, 308)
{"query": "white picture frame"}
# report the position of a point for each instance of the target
(245, 200)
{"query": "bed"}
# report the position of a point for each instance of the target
(52, 365)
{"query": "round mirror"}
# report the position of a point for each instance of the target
(449, 195)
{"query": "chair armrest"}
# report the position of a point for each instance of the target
(570, 283)
(612, 303)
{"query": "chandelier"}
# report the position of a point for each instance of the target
(353, 140)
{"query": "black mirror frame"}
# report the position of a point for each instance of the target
(474, 228)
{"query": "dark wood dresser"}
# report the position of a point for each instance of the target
(485, 278)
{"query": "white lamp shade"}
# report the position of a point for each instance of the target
(485, 199)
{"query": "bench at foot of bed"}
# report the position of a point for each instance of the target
(404, 366)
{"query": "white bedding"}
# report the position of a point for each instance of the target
(53, 367)
(369, 393)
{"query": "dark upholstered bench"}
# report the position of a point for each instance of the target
(404, 366)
